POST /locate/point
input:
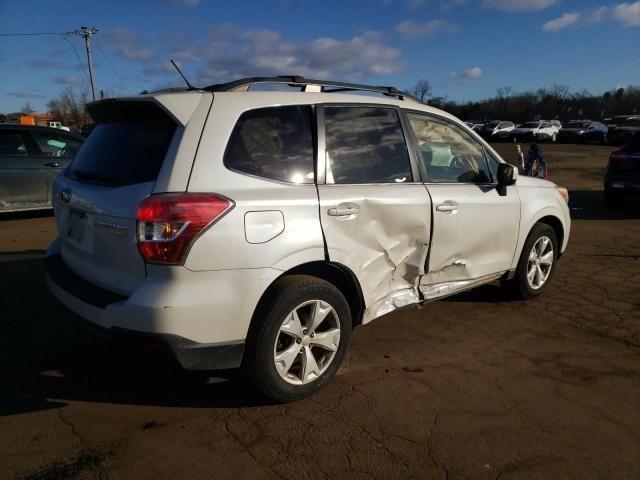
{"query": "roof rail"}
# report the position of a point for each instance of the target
(243, 85)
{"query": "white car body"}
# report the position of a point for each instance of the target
(539, 130)
(397, 243)
(59, 126)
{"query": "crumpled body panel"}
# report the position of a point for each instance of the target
(385, 243)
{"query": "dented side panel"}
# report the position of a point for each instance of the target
(475, 239)
(385, 243)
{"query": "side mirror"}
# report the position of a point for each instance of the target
(507, 175)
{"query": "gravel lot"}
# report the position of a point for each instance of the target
(476, 386)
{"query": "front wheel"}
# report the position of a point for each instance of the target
(537, 262)
(298, 339)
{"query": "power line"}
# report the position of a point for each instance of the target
(33, 34)
(83, 32)
(77, 56)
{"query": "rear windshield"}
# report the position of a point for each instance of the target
(127, 146)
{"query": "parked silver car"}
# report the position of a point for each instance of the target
(256, 229)
(30, 158)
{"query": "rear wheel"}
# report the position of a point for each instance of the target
(537, 262)
(298, 339)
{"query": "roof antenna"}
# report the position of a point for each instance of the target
(191, 87)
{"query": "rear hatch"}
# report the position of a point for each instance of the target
(96, 198)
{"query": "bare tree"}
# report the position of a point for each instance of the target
(421, 90)
(68, 107)
(27, 109)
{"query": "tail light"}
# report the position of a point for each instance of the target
(169, 223)
(619, 156)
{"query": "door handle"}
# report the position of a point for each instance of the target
(343, 211)
(52, 164)
(446, 207)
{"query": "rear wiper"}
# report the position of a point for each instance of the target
(95, 177)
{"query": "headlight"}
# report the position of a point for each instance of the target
(564, 193)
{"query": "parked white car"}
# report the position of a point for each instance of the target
(496, 130)
(257, 229)
(539, 130)
(59, 126)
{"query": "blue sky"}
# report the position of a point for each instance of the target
(465, 48)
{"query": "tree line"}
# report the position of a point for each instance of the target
(555, 102)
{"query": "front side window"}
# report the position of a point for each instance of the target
(53, 144)
(449, 154)
(12, 145)
(365, 145)
(274, 143)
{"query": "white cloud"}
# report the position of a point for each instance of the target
(628, 14)
(413, 4)
(518, 5)
(68, 80)
(563, 21)
(597, 16)
(411, 29)
(468, 74)
(128, 44)
(230, 52)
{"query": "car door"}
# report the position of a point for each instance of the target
(22, 183)
(475, 229)
(546, 131)
(374, 211)
(55, 149)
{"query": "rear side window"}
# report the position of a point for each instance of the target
(274, 143)
(127, 146)
(12, 145)
(54, 144)
(365, 145)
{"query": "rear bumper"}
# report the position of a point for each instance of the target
(202, 318)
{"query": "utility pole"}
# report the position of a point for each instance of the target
(86, 33)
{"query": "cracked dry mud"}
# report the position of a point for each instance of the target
(474, 387)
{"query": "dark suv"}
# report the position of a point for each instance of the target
(623, 173)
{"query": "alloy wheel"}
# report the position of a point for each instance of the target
(540, 262)
(307, 342)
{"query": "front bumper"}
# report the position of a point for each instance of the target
(202, 318)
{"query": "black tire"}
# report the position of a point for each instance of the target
(614, 199)
(519, 285)
(287, 293)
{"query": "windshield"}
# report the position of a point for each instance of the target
(578, 124)
(127, 146)
(492, 125)
(631, 122)
(529, 125)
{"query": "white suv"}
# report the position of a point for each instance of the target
(256, 229)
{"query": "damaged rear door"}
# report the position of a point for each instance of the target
(375, 213)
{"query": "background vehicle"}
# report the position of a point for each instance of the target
(496, 130)
(556, 123)
(59, 126)
(215, 228)
(580, 131)
(30, 158)
(622, 176)
(538, 130)
(613, 122)
(625, 130)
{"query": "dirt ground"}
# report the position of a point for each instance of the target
(476, 386)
